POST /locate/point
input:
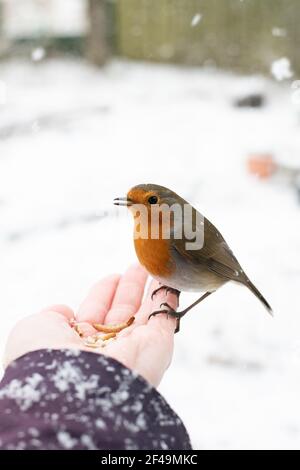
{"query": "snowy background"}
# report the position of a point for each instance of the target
(73, 137)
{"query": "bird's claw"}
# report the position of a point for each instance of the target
(157, 312)
(167, 289)
(165, 304)
(169, 312)
(157, 290)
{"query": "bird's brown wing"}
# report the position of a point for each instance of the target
(218, 258)
(215, 254)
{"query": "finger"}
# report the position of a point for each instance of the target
(160, 321)
(59, 308)
(98, 301)
(141, 316)
(128, 296)
(149, 306)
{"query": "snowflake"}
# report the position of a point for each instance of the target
(196, 20)
(24, 394)
(281, 69)
(66, 440)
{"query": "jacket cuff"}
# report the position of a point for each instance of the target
(71, 399)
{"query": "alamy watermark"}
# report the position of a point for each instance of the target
(163, 221)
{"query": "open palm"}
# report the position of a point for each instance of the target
(146, 346)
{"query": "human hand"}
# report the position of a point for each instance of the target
(145, 346)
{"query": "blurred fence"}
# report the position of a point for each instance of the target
(245, 35)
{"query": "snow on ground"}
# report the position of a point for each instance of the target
(72, 138)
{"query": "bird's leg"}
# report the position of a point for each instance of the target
(181, 314)
(168, 289)
(172, 313)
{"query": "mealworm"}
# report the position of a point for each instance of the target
(108, 336)
(113, 328)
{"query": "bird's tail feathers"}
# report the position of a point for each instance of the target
(256, 292)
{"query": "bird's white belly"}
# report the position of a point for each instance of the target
(192, 279)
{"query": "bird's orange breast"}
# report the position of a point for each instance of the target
(155, 256)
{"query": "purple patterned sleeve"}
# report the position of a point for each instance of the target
(67, 399)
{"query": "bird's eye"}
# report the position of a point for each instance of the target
(152, 200)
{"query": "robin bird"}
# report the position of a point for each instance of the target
(169, 260)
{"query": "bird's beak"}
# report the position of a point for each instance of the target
(122, 201)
